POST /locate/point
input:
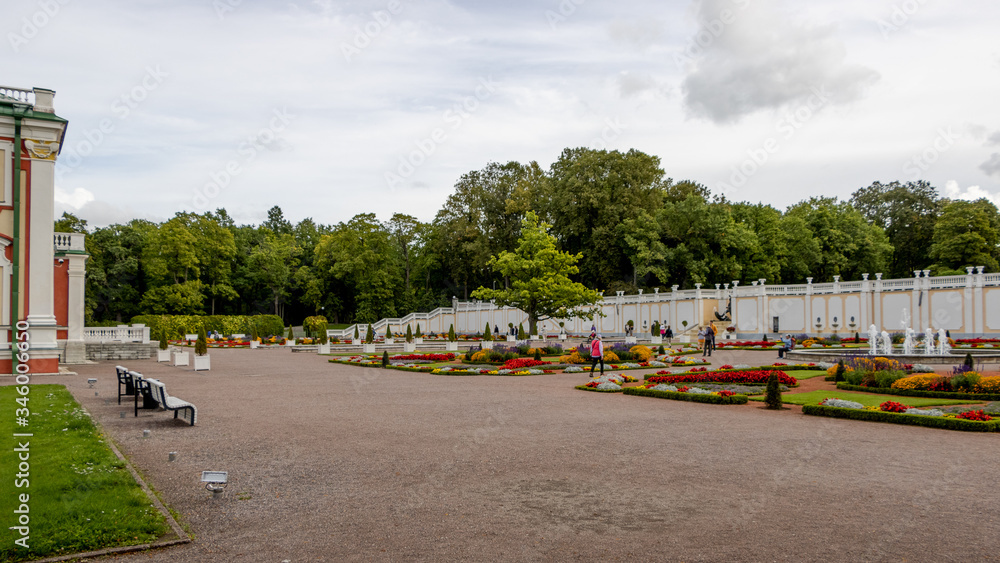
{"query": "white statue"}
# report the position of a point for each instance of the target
(886, 343)
(872, 340)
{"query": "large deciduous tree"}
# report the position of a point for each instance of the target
(907, 212)
(539, 274)
(966, 234)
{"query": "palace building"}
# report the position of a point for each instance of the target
(42, 277)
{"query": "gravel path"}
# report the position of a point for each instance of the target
(339, 463)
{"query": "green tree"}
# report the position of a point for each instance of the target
(115, 280)
(201, 345)
(907, 213)
(848, 244)
(966, 234)
(273, 263)
(70, 223)
(540, 284)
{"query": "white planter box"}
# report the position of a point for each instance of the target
(562, 337)
(685, 339)
(190, 337)
(409, 347)
(390, 341)
(451, 346)
(511, 338)
(418, 341)
(368, 348)
(487, 345)
(180, 358)
(357, 341)
(202, 363)
(630, 340)
(163, 355)
(254, 344)
(324, 349)
(289, 342)
(657, 339)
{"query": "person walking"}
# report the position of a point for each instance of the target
(715, 332)
(709, 342)
(670, 334)
(596, 354)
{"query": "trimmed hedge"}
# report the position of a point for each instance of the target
(900, 418)
(176, 326)
(692, 397)
(596, 390)
(920, 393)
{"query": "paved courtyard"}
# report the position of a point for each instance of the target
(339, 463)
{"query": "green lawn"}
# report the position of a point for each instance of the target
(814, 397)
(805, 373)
(81, 496)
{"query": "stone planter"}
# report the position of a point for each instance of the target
(289, 342)
(163, 355)
(511, 338)
(368, 348)
(409, 347)
(190, 337)
(254, 344)
(180, 358)
(657, 340)
(630, 340)
(451, 346)
(685, 339)
(202, 363)
(487, 345)
(389, 341)
(418, 341)
(324, 348)
(562, 337)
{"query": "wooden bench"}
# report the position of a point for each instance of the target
(159, 392)
(125, 381)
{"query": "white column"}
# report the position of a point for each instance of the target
(967, 305)
(979, 308)
(808, 305)
(877, 318)
(39, 277)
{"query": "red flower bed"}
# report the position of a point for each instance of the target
(975, 415)
(755, 376)
(727, 366)
(977, 341)
(520, 363)
(726, 393)
(746, 343)
(892, 406)
(432, 357)
(699, 369)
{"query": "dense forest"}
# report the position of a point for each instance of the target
(635, 227)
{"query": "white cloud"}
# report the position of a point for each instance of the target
(75, 200)
(971, 193)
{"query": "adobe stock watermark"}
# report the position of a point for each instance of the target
(710, 31)
(30, 26)
(785, 128)
(363, 36)
(121, 107)
(246, 152)
(916, 165)
(454, 117)
(613, 129)
(563, 11)
(223, 7)
(899, 17)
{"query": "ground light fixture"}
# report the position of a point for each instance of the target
(91, 381)
(215, 481)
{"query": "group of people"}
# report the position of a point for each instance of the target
(707, 335)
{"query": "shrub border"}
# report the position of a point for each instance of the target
(919, 393)
(901, 418)
(690, 397)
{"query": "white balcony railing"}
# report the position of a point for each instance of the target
(21, 95)
(136, 333)
(69, 242)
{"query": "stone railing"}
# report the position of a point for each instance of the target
(21, 95)
(122, 333)
(69, 242)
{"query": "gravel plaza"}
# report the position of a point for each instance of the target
(337, 463)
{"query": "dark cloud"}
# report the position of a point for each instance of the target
(751, 57)
(992, 166)
(993, 140)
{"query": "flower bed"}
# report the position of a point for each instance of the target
(429, 357)
(746, 376)
(715, 398)
(608, 388)
(946, 422)
(519, 363)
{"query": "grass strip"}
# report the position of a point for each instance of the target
(814, 397)
(920, 393)
(81, 497)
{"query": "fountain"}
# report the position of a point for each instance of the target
(872, 341)
(908, 342)
(886, 343)
(929, 342)
(943, 346)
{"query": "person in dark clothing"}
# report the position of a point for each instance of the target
(709, 342)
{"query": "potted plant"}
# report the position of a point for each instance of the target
(290, 338)
(180, 356)
(685, 338)
(452, 344)
(409, 346)
(163, 354)
(388, 334)
(521, 335)
(254, 337)
(487, 338)
(369, 345)
(510, 330)
(654, 332)
(202, 361)
(418, 337)
(562, 331)
(324, 344)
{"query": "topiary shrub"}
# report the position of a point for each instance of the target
(487, 333)
(772, 397)
(314, 325)
(370, 335)
(521, 335)
(201, 345)
(655, 329)
(385, 358)
(841, 370)
(661, 350)
(388, 331)
(538, 355)
(291, 334)
(969, 363)
(451, 334)
(418, 334)
(163, 339)
(357, 334)
(409, 334)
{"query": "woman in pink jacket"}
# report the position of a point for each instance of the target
(596, 354)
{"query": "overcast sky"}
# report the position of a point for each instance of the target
(330, 109)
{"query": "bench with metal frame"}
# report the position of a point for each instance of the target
(159, 392)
